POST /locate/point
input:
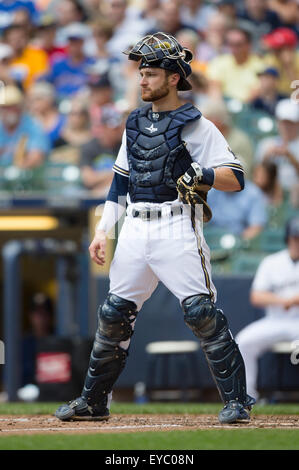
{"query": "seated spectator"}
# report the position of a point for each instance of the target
(233, 75)
(238, 141)
(275, 288)
(189, 39)
(28, 62)
(287, 10)
(255, 16)
(195, 13)
(69, 75)
(42, 105)
(76, 130)
(265, 177)
(227, 8)
(213, 43)
(10, 8)
(45, 39)
(67, 12)
(99, 154)
(242, 213)
(105, 63)
(149, 13)
(126, 30)
(22, 140)
(282, 55)
(6, 55)
(268, 95)
(169, 20)
(283, 149)
(101, 94)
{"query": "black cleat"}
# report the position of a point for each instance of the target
(79, 410)
(236, 412)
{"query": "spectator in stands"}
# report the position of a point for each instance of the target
(216, 111)
(288, 12)
(283, 149)
(268, 94)
(6, 55)
(169, 20)
(213, 43)
(227, 8)
(265, 177)
(42, 104)
(234, 75)
(99, 154)
(45, 39)
(101, 95)
(149, 13)
(241, 213)
(22, 140)
(257, 18)
(195, 13)
(67, 12)
(70, 74)
(28, 63)
(190, 39)
(9, 9)
(76, 130)
(282, 44)
(125, 27)
(105, 63)
(275, 288)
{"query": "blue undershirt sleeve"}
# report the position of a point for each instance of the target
(119, 187)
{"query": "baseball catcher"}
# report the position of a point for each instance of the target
(170, 157)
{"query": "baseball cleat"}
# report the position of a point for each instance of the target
(236, 412)
(79, 410)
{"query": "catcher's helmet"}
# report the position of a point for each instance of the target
(163, 51)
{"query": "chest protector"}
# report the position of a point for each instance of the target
(157, 156)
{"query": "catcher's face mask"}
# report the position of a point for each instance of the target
(163, 51)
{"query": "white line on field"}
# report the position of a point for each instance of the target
(60, 429)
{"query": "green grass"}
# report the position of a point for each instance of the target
(234, 439)
(244, 439)
(149, 408)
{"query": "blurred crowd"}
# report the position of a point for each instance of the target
(68, 89)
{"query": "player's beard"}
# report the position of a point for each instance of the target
(156, 94)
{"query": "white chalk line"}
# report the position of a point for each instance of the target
(97, 428)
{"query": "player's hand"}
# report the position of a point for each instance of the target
(97, 248)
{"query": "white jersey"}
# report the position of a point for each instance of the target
(205, 143)
(279, 274)
(168, 249)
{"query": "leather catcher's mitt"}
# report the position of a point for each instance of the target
(194, 194)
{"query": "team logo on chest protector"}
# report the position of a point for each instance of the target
(152, 128)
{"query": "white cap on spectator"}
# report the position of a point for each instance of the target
(5, 51)
(287, 110)
(43, 90)
(76, 31)
(12, 96)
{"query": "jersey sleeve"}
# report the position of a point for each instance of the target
(121, 165)
(208, 147)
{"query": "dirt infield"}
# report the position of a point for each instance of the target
(136, 423)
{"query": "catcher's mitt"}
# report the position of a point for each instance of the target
(193, 194)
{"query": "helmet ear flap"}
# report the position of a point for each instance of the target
(188, 56)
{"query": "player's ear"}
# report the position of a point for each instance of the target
(174, 79)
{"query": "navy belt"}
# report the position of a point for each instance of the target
(147, 214)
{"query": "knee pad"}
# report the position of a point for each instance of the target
(116, 316)
(201, 315)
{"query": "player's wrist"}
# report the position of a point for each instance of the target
(196, 174)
